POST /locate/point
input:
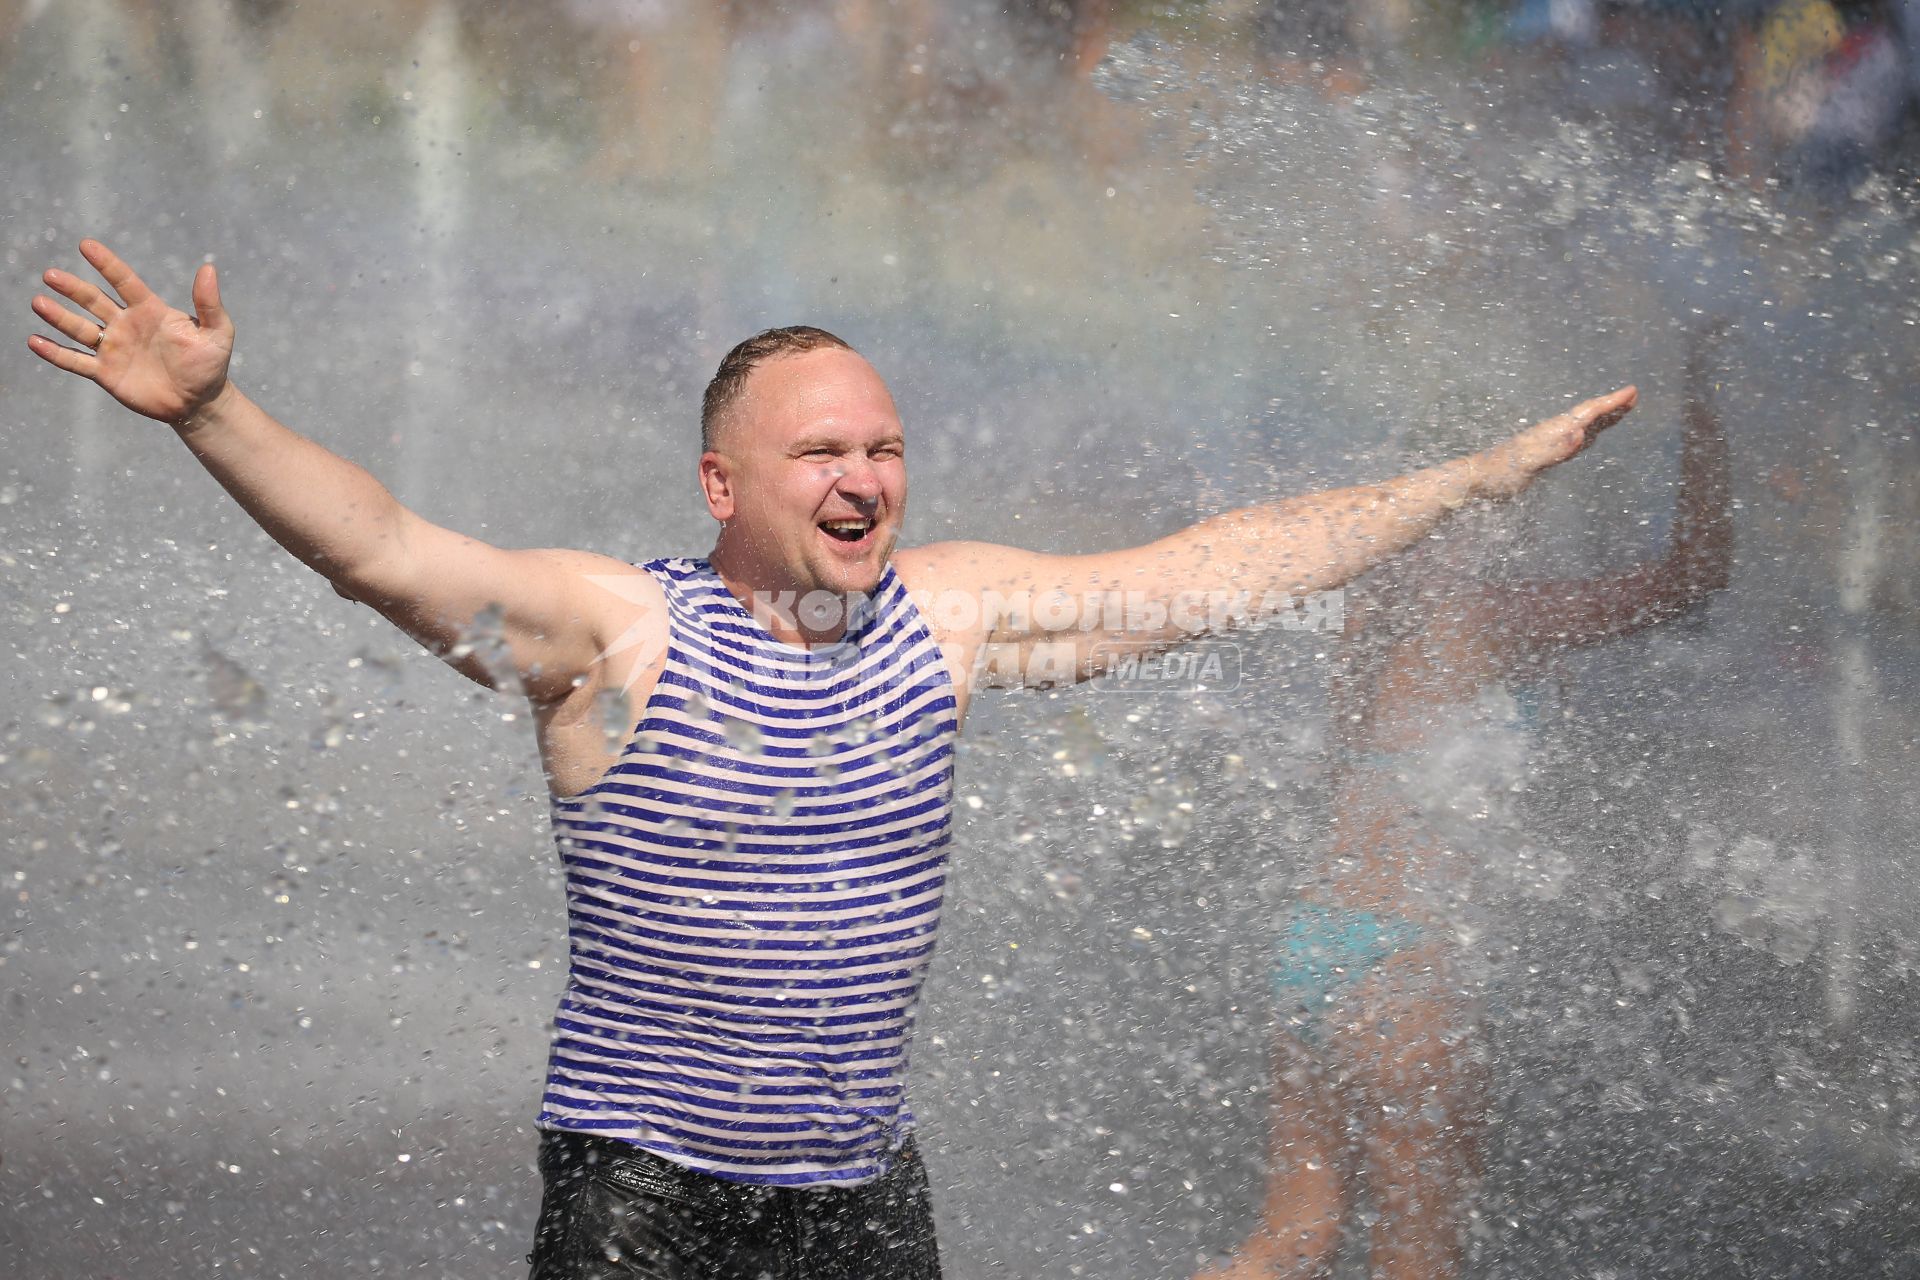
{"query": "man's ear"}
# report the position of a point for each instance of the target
(716, 484)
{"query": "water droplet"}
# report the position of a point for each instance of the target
(744, 736)
(611, 713)
(235, 692)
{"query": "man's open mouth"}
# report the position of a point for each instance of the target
(846, 530)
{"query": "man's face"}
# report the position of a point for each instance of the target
(808, 475)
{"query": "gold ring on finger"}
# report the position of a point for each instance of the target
(99, 338)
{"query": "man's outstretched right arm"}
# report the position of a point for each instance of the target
(431, 582)
(332, 515)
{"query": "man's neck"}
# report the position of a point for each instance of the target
(793, 615)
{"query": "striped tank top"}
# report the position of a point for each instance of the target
(752, 895)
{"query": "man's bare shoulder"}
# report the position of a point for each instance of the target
(949, 566)
(598, 586)
(623, 608)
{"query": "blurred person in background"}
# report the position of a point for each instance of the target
(1077, 32)
(1378, 1081)
(1821, 87)
(1574, 22)
(667, 61)
(1313, 41)
(1071, 37)
(13, 15)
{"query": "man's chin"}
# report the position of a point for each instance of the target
(861, 577)
(862, 580)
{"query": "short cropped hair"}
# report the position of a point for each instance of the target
(731, 379)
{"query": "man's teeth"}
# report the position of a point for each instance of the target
(845, 526)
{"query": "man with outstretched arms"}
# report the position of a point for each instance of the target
(755, 868)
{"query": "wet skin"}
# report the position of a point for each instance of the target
(808, 479)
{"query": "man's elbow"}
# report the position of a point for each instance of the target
(358, 588)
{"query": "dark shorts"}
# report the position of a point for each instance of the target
(611, 1211)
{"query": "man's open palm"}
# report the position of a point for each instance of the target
(153, 359)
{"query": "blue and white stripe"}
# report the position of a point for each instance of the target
(753, 892)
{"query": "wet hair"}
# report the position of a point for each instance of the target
(731, 378)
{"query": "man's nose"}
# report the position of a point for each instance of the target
(859, 482)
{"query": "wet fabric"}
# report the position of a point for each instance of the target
(1323, 950)
(753, 894)
(613, 1212)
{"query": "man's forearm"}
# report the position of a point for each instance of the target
(331, 514)
(1320, 541)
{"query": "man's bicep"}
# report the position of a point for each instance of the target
(531, 618)
(1061, 611)
(1001, 594)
